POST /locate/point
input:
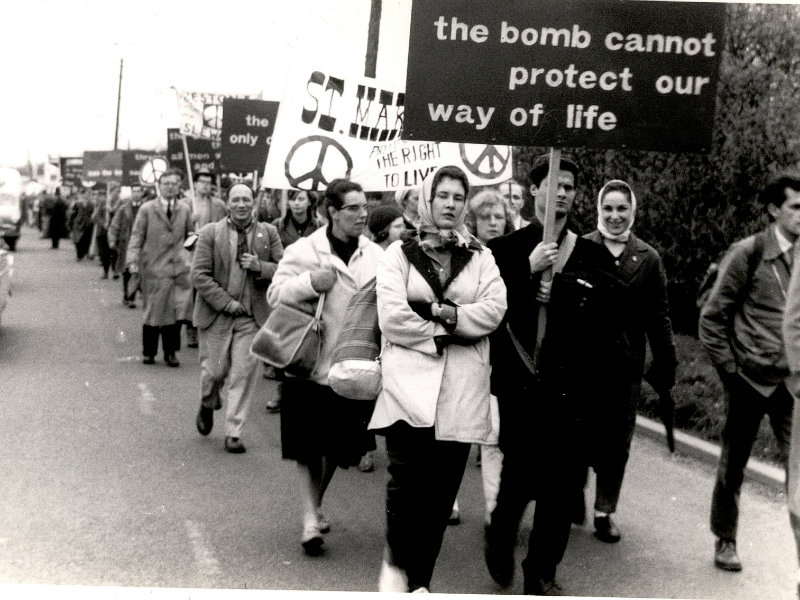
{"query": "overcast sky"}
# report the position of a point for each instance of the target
(61, 62)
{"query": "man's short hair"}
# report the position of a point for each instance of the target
(775, 190)
(337, 190)
(172, 171)
(541, 166)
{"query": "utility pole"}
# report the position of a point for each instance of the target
(373, 35)
(119, 100)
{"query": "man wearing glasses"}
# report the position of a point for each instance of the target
(154, 251)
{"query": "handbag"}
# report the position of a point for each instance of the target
(290, 339)
(355, 371)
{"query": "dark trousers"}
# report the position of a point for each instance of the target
(126, 279)
(104, 251)
(84, 242)
(425, 475)
(551, 519)
(745, 410)
(170, 339)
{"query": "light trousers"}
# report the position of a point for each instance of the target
(225, 361)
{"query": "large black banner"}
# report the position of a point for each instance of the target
(596, 73)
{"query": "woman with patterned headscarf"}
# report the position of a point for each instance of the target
(440, 295)
(640, 267)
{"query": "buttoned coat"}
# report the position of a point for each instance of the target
(156, 245)
(211, 268)
(291, 285)
(449, 392)
(641, 269)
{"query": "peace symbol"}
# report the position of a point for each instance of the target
(491, 156)
(212, 116)
(152, 170)
(316, 176)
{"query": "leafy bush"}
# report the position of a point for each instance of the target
(700, 400)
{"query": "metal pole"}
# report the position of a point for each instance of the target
(119, 101)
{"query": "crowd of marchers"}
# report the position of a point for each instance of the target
(534, 350)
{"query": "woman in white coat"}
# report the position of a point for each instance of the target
(439, 296)
(320, 429)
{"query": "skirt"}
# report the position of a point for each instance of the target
(316, 422)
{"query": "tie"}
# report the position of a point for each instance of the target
(169, 209)
(241, 245)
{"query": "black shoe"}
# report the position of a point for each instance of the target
(542, 587)
(606, 530)
(172, 360)
(234, 445)
(499, 558)
(205, 420)
(726, 557)
(148, 360)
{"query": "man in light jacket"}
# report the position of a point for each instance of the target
(231, 278)
(741, 329)
(155, 251)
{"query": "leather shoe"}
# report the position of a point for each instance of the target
(542, 587)
(148, 360)
(172, 360)
(606, 530)
(234, 445)
(312, 540)
(499, 558)
(205, 420)
(725, 556)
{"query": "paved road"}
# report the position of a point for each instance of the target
(107, 482)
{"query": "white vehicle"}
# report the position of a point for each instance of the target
(6, 273)
(10, 210)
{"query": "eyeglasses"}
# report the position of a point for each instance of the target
(355, 208)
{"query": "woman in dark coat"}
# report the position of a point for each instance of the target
(58, 220)
(640, 267)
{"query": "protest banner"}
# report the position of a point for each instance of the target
(203, 153)
(71, 171)
(594, 73)
(132, 162)
(246, 133)
(335, 125)
(200, 113)
(102, 166)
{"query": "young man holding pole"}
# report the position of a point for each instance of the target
(544, 374)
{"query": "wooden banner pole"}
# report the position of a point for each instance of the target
(188, 163)
(548, 236)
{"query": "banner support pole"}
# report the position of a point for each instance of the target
(548, 236)
(188, 163)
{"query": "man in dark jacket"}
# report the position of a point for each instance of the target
(741, 329)
(549, 415)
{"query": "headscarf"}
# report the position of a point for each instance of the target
(430, 233)
(621, 237)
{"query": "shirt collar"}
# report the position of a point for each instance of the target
(783, 242)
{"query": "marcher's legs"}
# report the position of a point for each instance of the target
(491, 467)
(214, 355)
(611, 474)
(241, 375)
(149, 340)
(745, 411)
(425, 477)
(104, 252)
(171, 338)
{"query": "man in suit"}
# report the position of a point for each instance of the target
(547, 427)
(155, 251)
(234, 261)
